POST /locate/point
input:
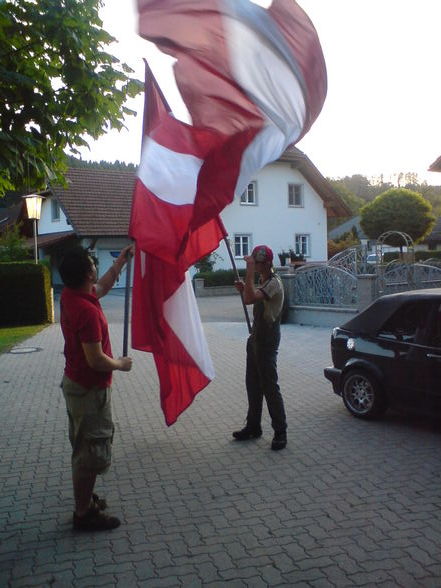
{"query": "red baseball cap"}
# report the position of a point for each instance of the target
(262, 253)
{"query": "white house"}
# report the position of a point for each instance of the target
(285, 206)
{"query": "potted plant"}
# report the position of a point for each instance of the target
(297, 259)
(283, 256)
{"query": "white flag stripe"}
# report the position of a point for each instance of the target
(265, 147)
(272, 85)
(182, 314)
(266, 78)
(170, 175)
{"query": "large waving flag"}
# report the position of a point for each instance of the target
(255, 75)
(254, 81)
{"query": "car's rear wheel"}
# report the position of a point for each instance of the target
(362, 394)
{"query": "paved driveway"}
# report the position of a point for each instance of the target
(348, 503)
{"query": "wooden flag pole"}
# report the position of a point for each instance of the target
(233, 263)
(127, 304)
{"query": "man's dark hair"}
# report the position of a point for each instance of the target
(75, 266)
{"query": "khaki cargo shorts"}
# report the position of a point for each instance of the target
(90, 426)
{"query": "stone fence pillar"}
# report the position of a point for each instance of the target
(288, 286)
(367, 290)
(199, 287)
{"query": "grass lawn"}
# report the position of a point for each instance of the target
(10, 336)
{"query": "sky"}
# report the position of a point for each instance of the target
(382, 111)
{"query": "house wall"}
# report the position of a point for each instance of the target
(272, 221)
(48, 225)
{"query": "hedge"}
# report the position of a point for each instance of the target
(419, 255)
(25, 294)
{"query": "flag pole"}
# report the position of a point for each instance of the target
(233, 263)
(127, 304)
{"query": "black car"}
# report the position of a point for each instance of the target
(389, 355)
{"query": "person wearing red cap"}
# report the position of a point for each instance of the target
(262, 347)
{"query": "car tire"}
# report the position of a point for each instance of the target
(363, 395)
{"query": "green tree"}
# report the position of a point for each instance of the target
(353, 202)
(13, 245)
(57, 84)
(398, 209)
(206, 264)
(358, 185)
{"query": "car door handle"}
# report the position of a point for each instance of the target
(433, 356)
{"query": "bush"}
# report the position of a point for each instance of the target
(419, 255)
(26, 294)
(346, 241)
(423, 255)
(205, 264)
(13, 245)
(390, 256)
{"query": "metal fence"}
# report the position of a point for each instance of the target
(400, 277)
(335, 283)
(324, 285)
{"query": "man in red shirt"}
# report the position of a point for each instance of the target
(87, 379)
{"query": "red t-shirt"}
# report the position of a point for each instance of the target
(83, 321)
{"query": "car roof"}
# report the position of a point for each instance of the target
(371, 319)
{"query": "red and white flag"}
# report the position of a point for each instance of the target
(169, 238)
(254, 81)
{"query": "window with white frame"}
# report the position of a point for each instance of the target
(242, 245)
(295, 195)
(55, 210)
(249, 197)
(303, 244)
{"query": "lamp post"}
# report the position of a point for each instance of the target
(33, 207)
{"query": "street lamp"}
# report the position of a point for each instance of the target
(33, 207)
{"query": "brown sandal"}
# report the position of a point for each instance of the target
(95, 520)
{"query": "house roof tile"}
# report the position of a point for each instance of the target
(436, 165)
(51, 238)
(97, 201)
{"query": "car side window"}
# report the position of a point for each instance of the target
(407, 323)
